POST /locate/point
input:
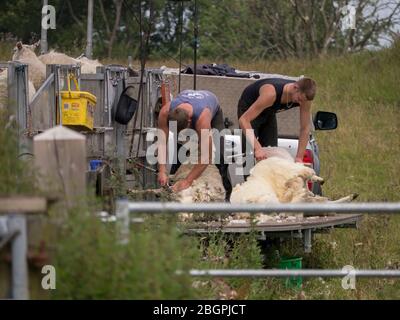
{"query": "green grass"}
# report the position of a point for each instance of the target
(16, 177)
(361, 156)
(6, 51)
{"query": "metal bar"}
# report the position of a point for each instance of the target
(92, 76)
(215, 207)
(19, 248)
(89, 44)
(122, 215)
(119, 128)
(107, 106)
(12, 88)
(379, 273)
(307, 240)
(47, 82)
(23, 99)
(18, 101)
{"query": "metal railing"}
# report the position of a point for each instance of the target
(215, 207)
(13, 231)
(124, 208)
(256, 273)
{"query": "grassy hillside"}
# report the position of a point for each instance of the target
(361, 156)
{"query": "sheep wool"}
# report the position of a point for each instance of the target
(37, 69)
(4, 89)
(87, 65)
(54, 57)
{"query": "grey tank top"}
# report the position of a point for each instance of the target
(199, 100)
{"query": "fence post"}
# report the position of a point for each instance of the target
(307, 240)
(19, 264)
(60, 157)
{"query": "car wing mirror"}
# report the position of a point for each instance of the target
(325, 120)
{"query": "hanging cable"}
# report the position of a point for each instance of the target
(196, 39)
(180, 44)
(143, 57)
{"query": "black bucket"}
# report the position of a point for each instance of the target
(126, 107)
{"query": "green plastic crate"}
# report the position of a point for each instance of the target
(292, 263)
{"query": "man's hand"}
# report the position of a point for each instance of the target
(181, 185)
(162, 179)
(260, 154)
(299, 160)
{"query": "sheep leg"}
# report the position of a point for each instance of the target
(316, 178)
(348, 198)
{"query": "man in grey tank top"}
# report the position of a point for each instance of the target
(259, 103)
(198, 110)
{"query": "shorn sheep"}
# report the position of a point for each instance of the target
(278, 179)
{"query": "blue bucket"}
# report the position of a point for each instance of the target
(95, 164)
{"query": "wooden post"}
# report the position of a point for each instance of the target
(60, 158)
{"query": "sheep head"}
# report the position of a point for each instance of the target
(24, 51)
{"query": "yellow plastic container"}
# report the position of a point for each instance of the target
(77, 107)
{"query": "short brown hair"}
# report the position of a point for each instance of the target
(308, 87)
(180, 116)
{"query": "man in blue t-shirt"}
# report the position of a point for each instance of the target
(199, 110)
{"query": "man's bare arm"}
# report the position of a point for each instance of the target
(305, 116)
(162, 143)
(265, 100)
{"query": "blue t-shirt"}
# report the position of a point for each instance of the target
(199, 100)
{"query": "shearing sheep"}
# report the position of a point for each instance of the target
(206, 188)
